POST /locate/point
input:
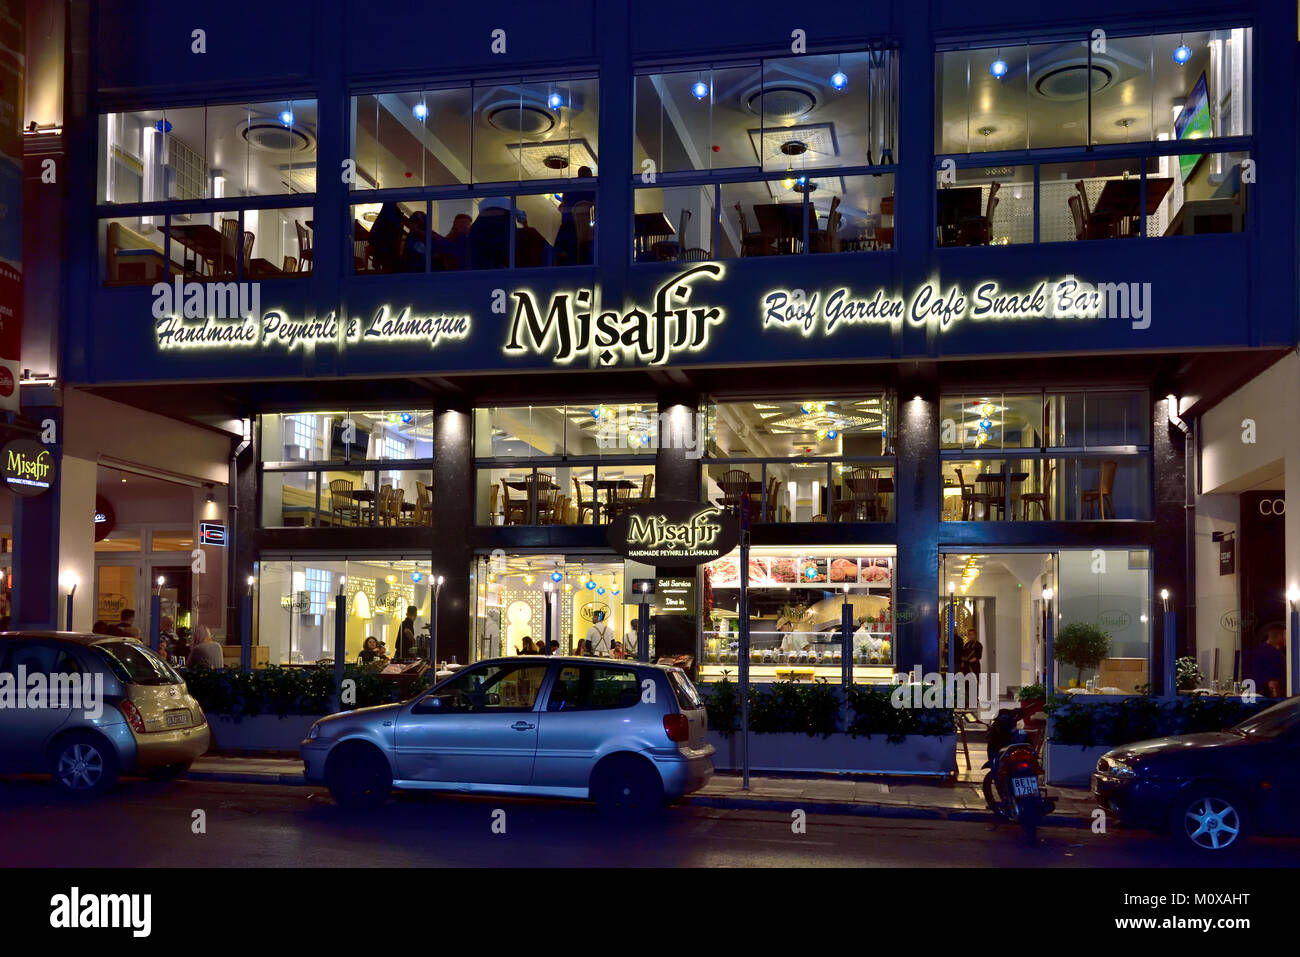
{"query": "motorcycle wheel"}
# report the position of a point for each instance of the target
(989, 797)
(1027, 811)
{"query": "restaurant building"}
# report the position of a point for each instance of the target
(459, 287)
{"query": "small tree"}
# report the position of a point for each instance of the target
(1082, 645)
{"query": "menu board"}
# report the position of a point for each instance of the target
(767, 572)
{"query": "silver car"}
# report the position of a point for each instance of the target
(629, 736)
(88, 708)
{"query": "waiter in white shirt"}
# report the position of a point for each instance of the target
(601, 636)
(629, 639)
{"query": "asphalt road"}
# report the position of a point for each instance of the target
(145, 824)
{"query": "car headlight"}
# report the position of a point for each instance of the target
(1116, 768)
(314, 732)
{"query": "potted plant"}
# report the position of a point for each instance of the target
(1032, 698)
(1188, 674)
(1081, 644)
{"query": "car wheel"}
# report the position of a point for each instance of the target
(1209, 821)
(628, 787)
(84, 764)
(359, 777)
(166, 772)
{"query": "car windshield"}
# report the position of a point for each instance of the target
(134, 663)
(1280, 719)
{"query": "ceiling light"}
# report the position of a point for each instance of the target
(420, 110)
(999, 67)
(1182, 53)
(699, 89)
(839, 80)
(555, 101)
(286, 117)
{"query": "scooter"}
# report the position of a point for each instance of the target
(1011, 787)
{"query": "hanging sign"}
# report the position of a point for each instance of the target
(105, 518)
(28, 467)
(668, 533)
(212, 533)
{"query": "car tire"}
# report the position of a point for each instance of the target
(1209, 820)
(627, 788)
(83, 764)
(358, 777)
(167, 772)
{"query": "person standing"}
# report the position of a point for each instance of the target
(600, 636)
(1270, 661)
(406, 638)
(126, 626)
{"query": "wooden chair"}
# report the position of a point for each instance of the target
(1043, 498)
(344, 510)
(773, 510)
(560, 514)
(290, 264)
(823, 240)
(695, 254)
(423, 514)
(514, 512)
(247, 251)
(864, 488)
(970, 498)
(1076, 212)
(734, 484)
(395, 498)
(381, 504)
(752, 244)
(230, 240)
(304, 246)
(1100, 497)
(626, 499)
(545, 490)
(494, 493)
(360, 256)
(583, 505)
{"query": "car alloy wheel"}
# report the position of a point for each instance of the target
(83, 764)
(1211, 823)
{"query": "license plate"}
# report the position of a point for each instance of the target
(175, 719)
(1024, 787)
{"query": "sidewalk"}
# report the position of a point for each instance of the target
(824, 794)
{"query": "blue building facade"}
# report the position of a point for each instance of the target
(946, 286)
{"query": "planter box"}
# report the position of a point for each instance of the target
(915, 754)
(1072, 764)
(263, 732)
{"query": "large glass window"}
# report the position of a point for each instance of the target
(379, 470)
(1046, 456)
(795, 119)
(1071, 92)
(803, 460)
(796, 598)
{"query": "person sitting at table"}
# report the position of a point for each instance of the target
(489, 235)
(452, 251)
(566, 238)
(372, 652)
(413, 246)
(526, 646)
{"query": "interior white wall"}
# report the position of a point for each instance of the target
(1230, 463)
(1217, 596)
(77, 480)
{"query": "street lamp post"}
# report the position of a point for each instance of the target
(952, 628)
(643, 627)
(433, 627)
(1049, 676)
(846, 656)
(340, 639)
(155, 615)
(1293, 600)
(246, 626)
(547, 632)
(1169, 646)
(71, 582)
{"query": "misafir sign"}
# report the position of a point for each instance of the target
(28, 467)
(672, 533)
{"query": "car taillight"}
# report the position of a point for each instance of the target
(133, 716)
(678, 727)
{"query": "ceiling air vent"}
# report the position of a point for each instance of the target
(515, 120)
(1068, 79)
(268, 135)
(781, 102)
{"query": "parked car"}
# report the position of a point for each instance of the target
(138, 717)
(628, 736)
(1210, 790)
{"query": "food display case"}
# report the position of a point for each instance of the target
(795, 604)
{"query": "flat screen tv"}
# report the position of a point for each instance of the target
(360, 444)
(1193, 123)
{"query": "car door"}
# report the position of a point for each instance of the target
(478, 728)
(587, 705)
(28, 722)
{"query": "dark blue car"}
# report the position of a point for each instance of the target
(1212, 789)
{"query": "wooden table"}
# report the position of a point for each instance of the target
(647, 225)
(201, 241)
(1120, 198)
(610, 487)
(784, 222)
(995, 497)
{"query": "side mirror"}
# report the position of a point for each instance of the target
(429, 705)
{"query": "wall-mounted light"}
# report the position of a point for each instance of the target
(1164, 597)
(1293, 596)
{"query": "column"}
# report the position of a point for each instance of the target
(677, 476)
(453, 494)
(916, 502)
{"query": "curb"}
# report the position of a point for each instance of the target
(895, 811)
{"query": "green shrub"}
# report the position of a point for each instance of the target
(817, 710)
(285, 691)
(1141, 717)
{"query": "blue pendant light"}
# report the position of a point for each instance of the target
(999, 66)
(1182, 53)
(838, 79)
(286, 117)
(700, 89)
(420, 110)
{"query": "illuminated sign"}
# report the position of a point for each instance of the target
(652, 335)
(28, 467)
(819, 312)
(675, 596)
(673, 533)
(212, 533)
(277, 329)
